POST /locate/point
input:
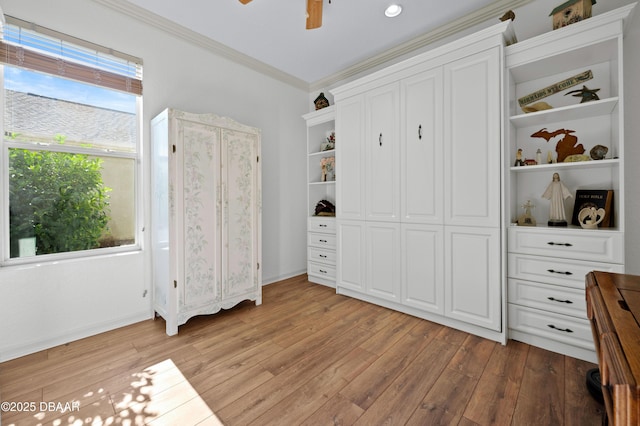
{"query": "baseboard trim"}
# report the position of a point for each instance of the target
(271, 280)
(17, 351)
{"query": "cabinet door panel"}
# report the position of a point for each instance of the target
(472, 140)
(240, 233)
(472, 275)
(421, 148)
(350, 158)
(382, 151)
(422, 267)
(350, 255)
(198, 233)
(383, 260)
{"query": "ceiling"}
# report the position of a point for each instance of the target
(353, 32)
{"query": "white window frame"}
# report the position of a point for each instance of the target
(137, 156)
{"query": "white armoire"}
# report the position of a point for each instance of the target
(206, 215)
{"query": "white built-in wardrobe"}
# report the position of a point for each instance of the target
(418, 198)
(206, 215)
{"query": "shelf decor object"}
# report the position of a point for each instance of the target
(570, 12)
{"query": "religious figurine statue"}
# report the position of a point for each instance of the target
(527, 219)
(557, 193)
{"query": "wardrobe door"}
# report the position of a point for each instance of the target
(197, 216)
(382, 150)
(240, 213)
(350, 159)
(421, 179)
(382, 242)
(472, 275)
(472, 101)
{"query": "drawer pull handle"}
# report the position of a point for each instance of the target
(322, 225)
(323, 256)
(560, 272)
(323, 241)
(323, 271)
(553, 299)
(566, 330)
(551, 243)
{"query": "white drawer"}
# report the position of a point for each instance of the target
(561, 300)
(322, 240)
(321, 270)
(554, 270)
(562, 328)
(322, 224)
(327, 257)
(583, 244)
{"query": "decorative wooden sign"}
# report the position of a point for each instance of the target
(555, 88)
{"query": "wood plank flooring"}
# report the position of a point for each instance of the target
(305, 357)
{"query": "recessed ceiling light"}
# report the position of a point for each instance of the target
(393, 11)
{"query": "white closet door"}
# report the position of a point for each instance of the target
(351, 257)
(382, 149)
(421, 148)
(350, 159)
(423, 267)
(382, 242)
(472, 280)
(472, 135)
(240, 212)
(198, 216)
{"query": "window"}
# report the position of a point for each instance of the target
(70, 152)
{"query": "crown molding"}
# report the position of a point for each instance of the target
(484, 14)
(497, 8)
(190, 36)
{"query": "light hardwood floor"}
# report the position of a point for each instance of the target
(306, 356)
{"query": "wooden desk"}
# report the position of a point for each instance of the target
(613, 307)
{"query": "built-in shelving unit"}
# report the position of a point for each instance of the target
(321, 237)
(547, 265)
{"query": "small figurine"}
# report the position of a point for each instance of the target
(557, 193)
(585, 93)
(590, 217)
(527, 219)
(519, 159)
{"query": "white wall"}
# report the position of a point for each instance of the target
(53, 303)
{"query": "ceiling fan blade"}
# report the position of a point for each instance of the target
(314, 14)
(244, 1)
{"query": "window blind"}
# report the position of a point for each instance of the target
(40, 49)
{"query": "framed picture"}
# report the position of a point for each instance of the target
(598, 198)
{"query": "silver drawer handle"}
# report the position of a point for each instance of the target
(322, 226)
(553, 299)
(566, 330)
(324, 272)
(323, 255)
(323, 241)
(560, 272)
(551, 243)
